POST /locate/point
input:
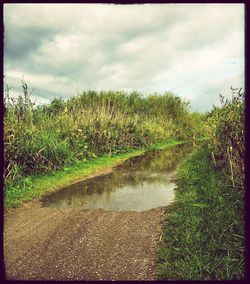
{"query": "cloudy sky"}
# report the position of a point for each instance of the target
(195, 51)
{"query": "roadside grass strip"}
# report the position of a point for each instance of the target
(36, 186)
(203, 235)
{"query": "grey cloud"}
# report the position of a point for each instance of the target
(105, 47)
(45, 94)
(208, 94)
(19, 42)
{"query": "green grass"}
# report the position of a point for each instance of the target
(49, 137)
(35, 186)
(203, 235)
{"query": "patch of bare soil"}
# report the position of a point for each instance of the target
(75, 244)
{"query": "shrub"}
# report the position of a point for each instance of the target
(49, 137)
(227, 144)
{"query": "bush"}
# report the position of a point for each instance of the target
(225, 126)
(49, 137)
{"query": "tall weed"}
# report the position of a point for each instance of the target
(49, 137)
(225, 126)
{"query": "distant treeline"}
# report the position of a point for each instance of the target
(44, 138)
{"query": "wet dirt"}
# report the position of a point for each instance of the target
(74, 243)
(53, 244)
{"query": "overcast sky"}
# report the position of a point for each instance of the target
(195, 51)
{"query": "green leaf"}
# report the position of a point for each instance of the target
(200, 205)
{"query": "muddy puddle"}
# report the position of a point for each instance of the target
(140, 183)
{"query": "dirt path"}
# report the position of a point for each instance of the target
(49, 243)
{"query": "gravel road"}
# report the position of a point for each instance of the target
(74, 244)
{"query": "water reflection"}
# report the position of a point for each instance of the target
(140, 183)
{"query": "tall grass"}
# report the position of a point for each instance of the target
(45, 138)
(225, 126)
(203, 237)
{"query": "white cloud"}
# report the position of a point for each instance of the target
(188, 49)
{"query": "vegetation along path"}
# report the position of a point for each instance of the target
(43, 243)
(50, 243)
(51, 146)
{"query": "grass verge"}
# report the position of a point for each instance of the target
(203, 235)
(36, 186)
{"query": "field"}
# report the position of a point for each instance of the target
(50, 146)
